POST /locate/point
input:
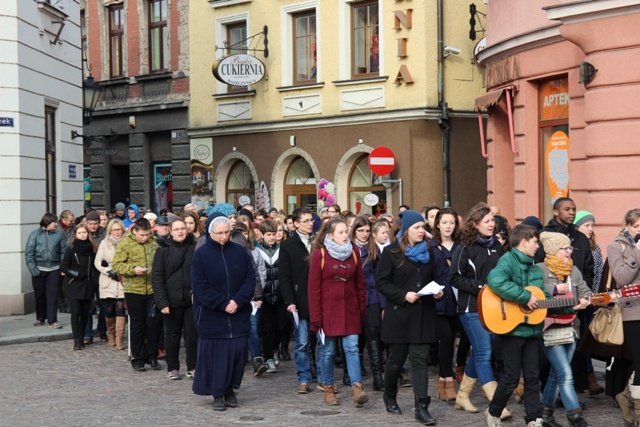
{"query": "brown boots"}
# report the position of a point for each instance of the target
(330, 395)
(111, 331)
(446, 389)
(121, 323)
(359, 396)
(594, 387)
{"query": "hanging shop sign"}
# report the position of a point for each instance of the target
(556, 163)
(239, 70)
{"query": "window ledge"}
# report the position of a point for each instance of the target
(300, 87)
(156, 76)
(115, 81)
(53, 11)
(360, 81)
(234, 94)
(222, 3)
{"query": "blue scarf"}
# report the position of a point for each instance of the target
(341, 252)
(484, 242)
(418, 253)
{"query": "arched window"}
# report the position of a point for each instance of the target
(300, 186)
(240, 183)
(362, 182)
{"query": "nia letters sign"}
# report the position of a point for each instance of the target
(239, 70)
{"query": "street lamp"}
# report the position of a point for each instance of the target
(90, 95)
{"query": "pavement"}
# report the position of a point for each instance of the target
(45, 382)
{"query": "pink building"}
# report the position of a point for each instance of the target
(562, 85)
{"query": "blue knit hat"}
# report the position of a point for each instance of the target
(224, 208)
(534, 222)
(409, 218)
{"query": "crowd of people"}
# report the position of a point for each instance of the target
(238, 283)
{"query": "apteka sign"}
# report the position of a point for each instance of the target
(239, 70)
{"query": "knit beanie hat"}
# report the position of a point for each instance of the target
(534, 222)
(224, 208)
(92, 216)
(582, 217)
(120, 205)
(409, 218)
(552, 242)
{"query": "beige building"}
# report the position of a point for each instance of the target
(341, 78)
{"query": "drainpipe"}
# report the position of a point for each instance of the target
(443, 117)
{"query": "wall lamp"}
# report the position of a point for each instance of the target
(91, 92)
(89, 139)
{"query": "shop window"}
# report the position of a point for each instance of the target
(365, 43)
(554, 143)
(116, 33)
(240, 183)
(162, 187)
(300, 186)
(158, 36)
(362, 182)
(50, 159)
(304, 48)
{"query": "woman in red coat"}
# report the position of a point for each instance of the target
(337, 305)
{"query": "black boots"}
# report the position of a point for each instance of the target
(422, 411)
(375, 357)
(77, 344)
(576, 419)
(390, 402)
(548, 420)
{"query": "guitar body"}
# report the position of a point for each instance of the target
(501, 317)
(559, 319)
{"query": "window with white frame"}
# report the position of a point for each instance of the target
(305, 53)
(365, 39)
(158, 36)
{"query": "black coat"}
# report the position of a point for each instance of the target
(581, 255)
(171, 272)
(470, 266)
(81, 276)
(271, 294)
(406, 323)
(293, 272)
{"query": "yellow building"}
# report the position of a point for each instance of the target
(341, 78)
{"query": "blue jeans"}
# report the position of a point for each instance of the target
(301, 351)
(326, 354)
(254, 336)
(479, 364)
(102, 323)
(560, 376)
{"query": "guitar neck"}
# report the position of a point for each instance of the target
(558, 302)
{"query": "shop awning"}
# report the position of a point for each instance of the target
(492, 98)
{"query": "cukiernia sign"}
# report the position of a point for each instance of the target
(239, 70)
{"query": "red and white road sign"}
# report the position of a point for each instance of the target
(382, 161)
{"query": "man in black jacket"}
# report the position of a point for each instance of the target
(293, 273)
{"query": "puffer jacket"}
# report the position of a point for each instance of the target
(44, 248)
(171, 273)
(109, 288)
(131, 254)
(508, 279)
(624, 264)
(271, 293)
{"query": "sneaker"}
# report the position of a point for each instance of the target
(303, 388)
(259, 367)
(271, 366)
(174, 375)
(191, 374)
(38, 323)
(536, 423)
(55, 325)
(492, 421)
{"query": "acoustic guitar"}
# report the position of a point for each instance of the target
(501, 317)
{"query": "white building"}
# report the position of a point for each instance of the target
(41, 166)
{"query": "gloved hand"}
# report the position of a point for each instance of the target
(104, 263)
(112, 275)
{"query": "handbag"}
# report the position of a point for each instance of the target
(606, 326)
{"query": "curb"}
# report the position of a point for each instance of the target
(31, 338)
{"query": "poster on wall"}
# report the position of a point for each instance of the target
(556, 161)
(162, 187)
(87, 188)
(202, 172)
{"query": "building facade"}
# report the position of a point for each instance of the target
(341, 78)
(561, 97)
(40, 105)
(138, 50)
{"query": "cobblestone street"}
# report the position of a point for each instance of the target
(49, 384)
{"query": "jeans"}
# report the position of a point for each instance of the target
(301, 351)
(254, 336)
(520, 355)
(479, 363)
(45, 290)
(560, 376)
(326, 354)
(179, 319)
(79, 309)
(102, 324)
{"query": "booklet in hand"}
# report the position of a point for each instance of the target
(431, 289)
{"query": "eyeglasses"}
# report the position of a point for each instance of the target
(221, 233)
(179, 229)
(567, 249)
(306, 221)
(330, 211)
(117, 229)
(362, 231)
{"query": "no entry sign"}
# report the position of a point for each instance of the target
(382, 161)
